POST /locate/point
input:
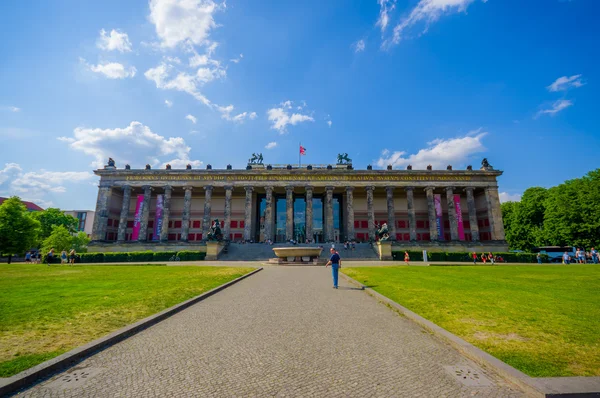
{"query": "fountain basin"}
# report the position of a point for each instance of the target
(297, 255)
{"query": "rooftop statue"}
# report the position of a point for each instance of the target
(257, 158)
(111, 162)
(342, 158)
(485, 164)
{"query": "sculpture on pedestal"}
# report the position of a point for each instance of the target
(215, 234)
(342, 158)
(382, 232)
(257, 158)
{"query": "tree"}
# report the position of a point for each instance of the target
(80, 242)
(60, 239)
(524, 220)
(18, 230)
(53, 217)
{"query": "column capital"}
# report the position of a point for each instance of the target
(249, 188)
(409, 189)
(188, 188)
(228, 187)
(369, 188)
(289, 188)
(390, 188)
(450, 189)
(309, 188)
(467, 189)
(147, 188)
(349, 189)
(430, 188)
(269, 189)
(329, 188)
(206, 187)
(126, 188)
(167, 188)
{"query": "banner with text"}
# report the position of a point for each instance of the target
(438, 216)
(159, 217)
(459, 219)
(139, 208)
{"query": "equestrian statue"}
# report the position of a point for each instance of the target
(382, 232)
(342, 158)
(215, 233)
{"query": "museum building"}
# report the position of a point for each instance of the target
(451, 209)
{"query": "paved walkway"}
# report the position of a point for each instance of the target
(281, 332)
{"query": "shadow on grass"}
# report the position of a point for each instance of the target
(356, 288)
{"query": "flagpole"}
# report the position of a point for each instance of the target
(299, 155)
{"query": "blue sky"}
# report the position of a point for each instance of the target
(205, 82)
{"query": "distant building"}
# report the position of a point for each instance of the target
(30, 205)
(85, 218)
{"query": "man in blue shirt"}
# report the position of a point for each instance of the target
(336, 264)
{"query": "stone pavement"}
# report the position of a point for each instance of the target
(281, 332)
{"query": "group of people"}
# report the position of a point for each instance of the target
(484, 257)
(33, 257)
(582, 257)
(64, 257)
(349, 245)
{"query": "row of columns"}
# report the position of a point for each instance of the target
(491, 195)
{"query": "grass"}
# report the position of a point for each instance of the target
(544, 321)
(46, 311)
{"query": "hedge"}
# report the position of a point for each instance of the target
(135, 257)
(467, 256)
(163, 256)
(116, 257)
(191, 256)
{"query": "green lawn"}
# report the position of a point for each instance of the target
(544, 321)
(46, 311)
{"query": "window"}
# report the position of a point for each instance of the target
(398, 236)
(446, 224)
(81, 217)
(198, 236)
(234, 224)
(130, 224)
(110, 222)
(360, 236)
(241, 224)
(486, 222)
(172, 237)
(151, 224)
(177, 224)
(420, 224)
(356, 224)
(401, 224)
(196, 224)
(426, 237)
(192, 237)
(364, 224)
(406, 237)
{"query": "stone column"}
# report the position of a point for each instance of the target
(289, 212)
(207, 208)
(122, 233)
(101, 218)
(472, 214)
(328, 214)
(412, 218)
(269, 213)
(494, 213)
(248, 213)
(227, 213)
(391, 212)
(370, 212)
(309, 213)
(433, 231)
(350, 233)
(164, 231)
(452, 213)
(185, 220)
(143, 236)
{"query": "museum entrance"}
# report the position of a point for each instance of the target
(280, 218)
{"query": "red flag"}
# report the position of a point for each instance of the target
(302, 150)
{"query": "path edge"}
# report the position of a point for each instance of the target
(31, 376)
(546, 387)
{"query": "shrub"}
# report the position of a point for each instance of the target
(119, 257)
(415, 255)
(141, 256)
(92, 257)
(467, 256)
(163, 256)
(191, 255)
(55, 259)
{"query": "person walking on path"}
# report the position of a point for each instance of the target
(491, 257)
(406, 258)
(336, 264)
(50, 256)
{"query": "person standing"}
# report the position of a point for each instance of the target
(336, 263)
(63, 257)
(474, 258)
(28, 257)
(72, 257)
(491, 257)
(483, 258)
(539, 258)
(406, 258)
(566, 258)
(50, 256)
(594, 254)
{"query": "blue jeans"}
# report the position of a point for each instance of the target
(334, 273)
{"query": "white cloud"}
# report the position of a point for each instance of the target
(556, 107)
(564, 83)
(135, 144)
(329, 123)
(10, 108)
(237, 60)
(115, 41)
(359, 46)
(191, 118)
(385, 7)
(35, 185)
(507, 197)
(425, 13)
(439, 153)
(328, 120)
(182, 82)
(226, 112)
(271, 145)
(281, 117)
(168, 103)
(111, 70)
(183, 21)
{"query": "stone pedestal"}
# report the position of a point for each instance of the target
(384, 250)
(213, 249)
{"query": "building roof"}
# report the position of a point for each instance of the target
(30, 205)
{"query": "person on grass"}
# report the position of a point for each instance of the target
(72, 255)
(474, 258)
(406, 258)
(50, 257)
(63, 257)
(336, 263)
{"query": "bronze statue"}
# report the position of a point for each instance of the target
(342, 158)
(111, 162)
(485, 164)
(382, 232)
(256, 158)
(215, 233)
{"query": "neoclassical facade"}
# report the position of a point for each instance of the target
(450, 209)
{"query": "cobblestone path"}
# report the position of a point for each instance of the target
(281, 332)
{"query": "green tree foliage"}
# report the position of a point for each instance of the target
(565, 215)
(60, 239)
(18, 230)
(80, 242)
(53, 217)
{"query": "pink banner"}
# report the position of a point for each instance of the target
(461, 227)
(159, 217)
(139, 207)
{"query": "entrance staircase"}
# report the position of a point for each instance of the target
(263, 252)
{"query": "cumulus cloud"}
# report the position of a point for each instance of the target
(115, 41)
(283, 116)
(191, 118)
(385, 7)
(168, 103)
(271, 145)
(111, 70)
(439, 153)
(507, 197)
(226, 113)
(36, 185)
(424, 14)
(359, 46)
(183, 21)
(556, 107)
(161, 76)
(135, 144)
(565, 83)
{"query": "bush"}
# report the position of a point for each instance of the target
(118, 257)
(141, 256)
(163, 256)
(191, 255)
(415, 255)
(55, 259)
(467, 256)
(92, 257)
